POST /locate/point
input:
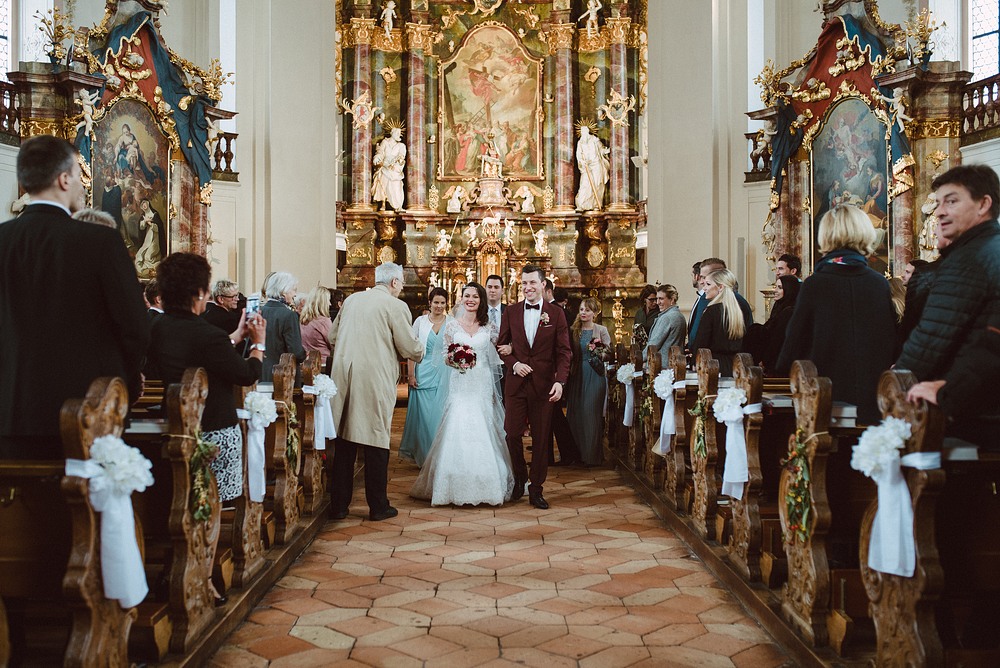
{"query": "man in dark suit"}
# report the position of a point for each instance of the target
(538, 367)
(152, 295)
(92, 304)
(495, 309)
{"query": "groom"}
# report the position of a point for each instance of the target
(537, 370)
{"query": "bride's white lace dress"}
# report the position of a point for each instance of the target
(468, 462)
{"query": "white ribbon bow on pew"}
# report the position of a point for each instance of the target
(728, 409)
(114, 471)
(324, 388)
(892, 548)
(664, 387)
(259, 410)
(626, 374)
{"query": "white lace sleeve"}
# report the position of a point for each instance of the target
(449, 334)
(494, 334)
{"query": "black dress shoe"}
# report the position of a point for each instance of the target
(384, 515)
(337, 514)
(518, 491)
(537, 500)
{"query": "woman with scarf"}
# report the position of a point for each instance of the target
(844, 320)
(773, 332)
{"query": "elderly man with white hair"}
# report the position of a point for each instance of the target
(371, 332)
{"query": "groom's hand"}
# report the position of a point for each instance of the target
(521, 369)
(555, 394)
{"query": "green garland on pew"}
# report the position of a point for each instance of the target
(292, 440)
(646, 408)
(204, 454)
(700, 412)
(798, 504)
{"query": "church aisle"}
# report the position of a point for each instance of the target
(594, 581)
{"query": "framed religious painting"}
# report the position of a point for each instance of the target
(490, 105)
(849, 158)
(131, 176)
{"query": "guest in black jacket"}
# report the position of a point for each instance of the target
(223, 309)
(182, 340)
(843, 320)
(284, 334)
(773, 333)
(723, 323)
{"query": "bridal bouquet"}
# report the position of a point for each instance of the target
(598, 349)
(461, 357)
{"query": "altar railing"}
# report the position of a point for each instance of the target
(9, 114)
(981, 111)
(224, 157)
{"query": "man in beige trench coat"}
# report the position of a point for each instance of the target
(371, 332)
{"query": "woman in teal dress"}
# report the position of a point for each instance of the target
(428, 382)
(587, 383)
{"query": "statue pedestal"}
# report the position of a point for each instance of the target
(491, 192)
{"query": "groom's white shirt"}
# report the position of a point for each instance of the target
(531, 319)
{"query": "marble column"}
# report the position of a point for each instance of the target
(618, 31)
(561, 43)
(419, 41)
(360, 38)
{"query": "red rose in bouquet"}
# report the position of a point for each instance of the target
(598, 349)
(461, 357)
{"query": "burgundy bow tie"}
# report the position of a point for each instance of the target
(533, 306)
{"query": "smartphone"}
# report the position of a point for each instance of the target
(253, 306)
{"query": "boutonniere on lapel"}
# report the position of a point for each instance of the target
(544, 318)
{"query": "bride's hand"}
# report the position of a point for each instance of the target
(505, 350)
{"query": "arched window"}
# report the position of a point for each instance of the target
(5, 25)
(985, 30)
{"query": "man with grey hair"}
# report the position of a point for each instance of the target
(371, 332)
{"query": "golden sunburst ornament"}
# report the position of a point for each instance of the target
(394, 124)
(588, 123)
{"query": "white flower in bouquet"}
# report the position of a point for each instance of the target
(324, 386)
(728, 405)
(262, 408)
(879, 446)
(626, 373)
(126, 470)
(664, 384)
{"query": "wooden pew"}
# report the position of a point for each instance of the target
(745, 542)
(311, 477)
(945, 614)
(246, 534)
(617, 432)
(637, 435)
(50, 551)
(653, 414)
(283, 464)
(705, 450)
(677, 464)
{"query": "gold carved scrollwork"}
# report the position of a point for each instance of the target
(393, 42)
(591, 42)
(47, 126)
(360, 31)
(934, 129)
(560, 36)
(419, 37)
(206, 194)
(618, 30)
(595, 256)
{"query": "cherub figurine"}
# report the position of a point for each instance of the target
(508, 229)
(433, 280)
(541, 242)
(388, 16)
(470, 231)
(897, 107)
(593, 7)
(527, 199)
(762, 145)
(88, 105)
(443, 243)
(213, 132)
(456, 197)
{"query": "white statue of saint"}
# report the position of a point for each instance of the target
(592, 159)
(88, 106)
(456, 197)
(508, 229)
(470, 231)
(593, 7)
(390, 159)
(897, 107)
(492, 165)
(388, 16)
(527, 199)
(541, 242)
(443, 243)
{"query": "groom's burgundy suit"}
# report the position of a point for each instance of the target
(527, 398)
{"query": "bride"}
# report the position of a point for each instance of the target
(469, 463)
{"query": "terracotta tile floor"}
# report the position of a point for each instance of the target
(594, 581)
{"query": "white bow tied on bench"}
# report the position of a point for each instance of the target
(114, 471)
(729, 409)
(664, 387)
(626, 374)
(324, 388)
(259, 410)
(892, 548)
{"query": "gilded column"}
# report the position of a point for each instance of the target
(618, 30)
(360, 38)
(561, 43)
(418, 43)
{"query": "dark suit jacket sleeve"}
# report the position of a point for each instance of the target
(123, 299)
(223, 363)
(564, 353)
(503, 339)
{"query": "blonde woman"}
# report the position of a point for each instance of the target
(587, 385)
(722, 325)
(315, 322)
(843, 320)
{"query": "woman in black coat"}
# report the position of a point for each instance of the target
(723, 324)
(844, 320)
(181, 340)
(773, 334)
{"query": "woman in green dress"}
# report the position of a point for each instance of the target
(428, 381)
(587, 385)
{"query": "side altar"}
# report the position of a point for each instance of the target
(490, 134)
